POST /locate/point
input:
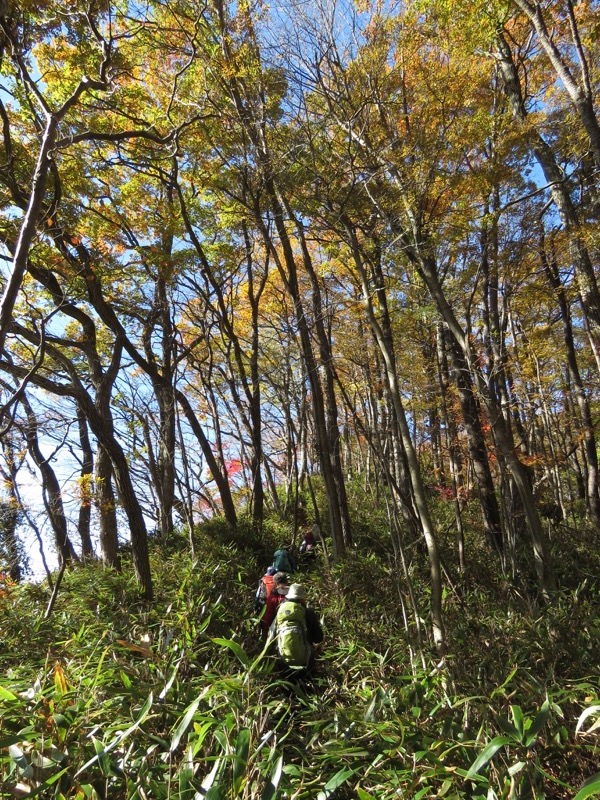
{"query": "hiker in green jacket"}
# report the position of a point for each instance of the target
(296, 629)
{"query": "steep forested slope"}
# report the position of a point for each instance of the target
(112, 697)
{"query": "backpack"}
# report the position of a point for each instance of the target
(307, 549)
(289, 629)
(282, 561)
(265, 587)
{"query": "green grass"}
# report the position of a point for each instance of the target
(110, 698)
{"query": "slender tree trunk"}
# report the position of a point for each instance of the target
(289, 274)
(217, 474)
(51, 491)
(102, 426)
(131, 506)
(452, 442)
(414, 471)
(107, 510)
(253, 391)
(28, 226)
(585, 275)
(570, 415)
(580, 93)
(9, 522)
(477, 448)
(327, 367)
(589, 439)
(185, 486)
(85, 487)
(399, 459)
(162, 462)
(11, 509)
(166, 459)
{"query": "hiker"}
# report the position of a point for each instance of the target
(296, 629)
(276, 596)
(265, 587)
(307, 546)
(284, 561)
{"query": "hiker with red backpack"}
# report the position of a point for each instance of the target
(265, 587)
(296, 629)
(276, 596)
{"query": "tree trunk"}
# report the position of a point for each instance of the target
(51, 491)
(477, 448)
(585, 275)
(85, 487)
(288, 271)
(217, 474)
(414, 471)
(580, 94)
(327, 367)
(500, 427)
(106, 506)
(28, 227)
(589, 439)
(452, 442)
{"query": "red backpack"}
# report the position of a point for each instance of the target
(265, 587)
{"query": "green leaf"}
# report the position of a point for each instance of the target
(487, 754)
(518, 719)
(201, 732)
(241, 758)
(9, 697)
(270, 790)
(171, 680)
(537, 724)
(508, 728)
(235, 648)
(102, 756)
(49, 782)
(362, 795)
(590, 787)
(500, 689)
(121, 736)
(334, 783)
(15, 739)
(184, 723)
(422, 792)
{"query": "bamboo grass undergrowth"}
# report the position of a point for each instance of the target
(111, 698)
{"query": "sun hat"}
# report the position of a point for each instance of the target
(296, 592)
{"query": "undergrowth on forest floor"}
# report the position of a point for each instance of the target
(111, 698)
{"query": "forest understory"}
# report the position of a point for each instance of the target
(111, 697)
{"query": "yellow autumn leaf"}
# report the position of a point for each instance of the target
(143, 649)
(60, 682)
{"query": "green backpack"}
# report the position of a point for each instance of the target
(281, 561)
(290, 631)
